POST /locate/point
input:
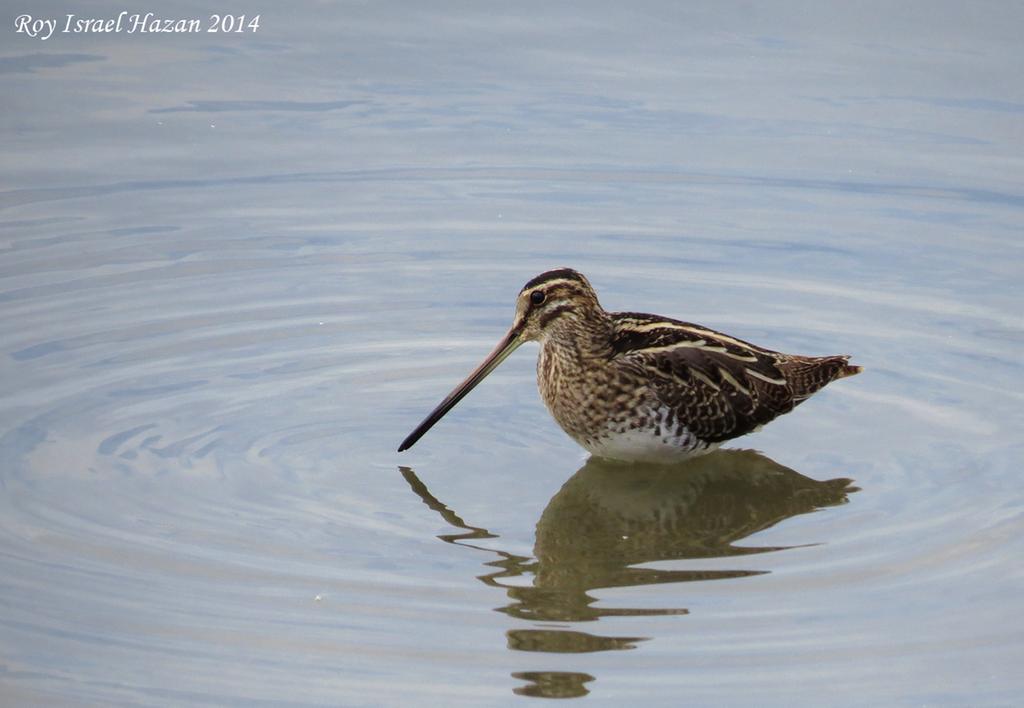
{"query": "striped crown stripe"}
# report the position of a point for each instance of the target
(559, 275)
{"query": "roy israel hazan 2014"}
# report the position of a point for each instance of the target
(131, 23)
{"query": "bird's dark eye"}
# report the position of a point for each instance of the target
(537, 297)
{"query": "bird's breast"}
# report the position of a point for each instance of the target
(609, 412)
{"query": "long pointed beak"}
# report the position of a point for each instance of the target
(508, 344)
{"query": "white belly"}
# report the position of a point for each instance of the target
(644, 446)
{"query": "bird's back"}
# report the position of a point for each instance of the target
(717, 386)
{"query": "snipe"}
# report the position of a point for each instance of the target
(638, 387)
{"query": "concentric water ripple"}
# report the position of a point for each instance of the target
(199, 477)
(237, 269)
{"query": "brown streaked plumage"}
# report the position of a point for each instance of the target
(639, 387)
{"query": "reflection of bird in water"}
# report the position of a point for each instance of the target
(552, 684)
(638, 387)
(610, 511)
(609, 517)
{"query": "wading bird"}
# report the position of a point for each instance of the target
(636, 387)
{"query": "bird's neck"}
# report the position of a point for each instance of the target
(582, 335)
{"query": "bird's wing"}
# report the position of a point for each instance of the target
(719, 387)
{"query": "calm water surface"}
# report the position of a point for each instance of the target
(236, 271)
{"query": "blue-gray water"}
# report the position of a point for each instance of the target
(236, 270)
